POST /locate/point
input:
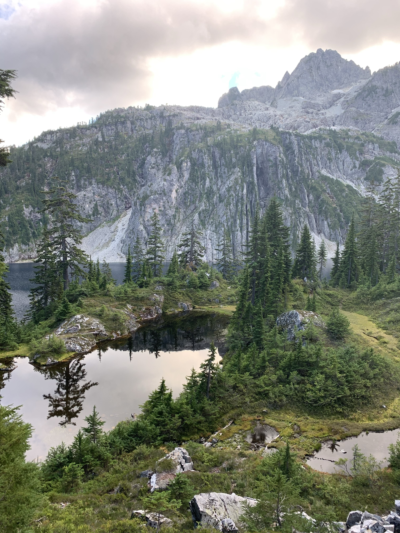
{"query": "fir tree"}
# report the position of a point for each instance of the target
(278, 236)
(391, 271)
(46, 280)
(209, 368)
(91, 270)
(64, 310)
(128, 268)
(20, 491)
(173, 267)
(106, 274)
(191, 251)
(335, 266)
(97, 272)
(225, 261)
(259, 327)
(305, 261)
(6, 91)
(137, 260)
(8, 325)
(94, 426)
(65, 237)
(155, 246)
(349, 269)
(322, 255)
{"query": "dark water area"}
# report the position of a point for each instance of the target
(372, 443)
(116, 378)
(20, 274)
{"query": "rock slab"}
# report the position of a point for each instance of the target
(219, 510)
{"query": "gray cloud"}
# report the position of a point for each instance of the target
(97, 57)
(347, 26)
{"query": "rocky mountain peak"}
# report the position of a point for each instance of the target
(320, 72)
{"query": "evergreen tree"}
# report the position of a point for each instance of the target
(336, 266)
(128, 268)
(322, 255)
(146, 275)
(391, 271)
(155, 247)
(209, 368)
(278, 236)
(349, 269)
(137, 260)
(94, 426)
(91, 270)
(6, 91)
(8, 325)
(98, 272)
(191, 251)
(370, 258)
(259, 327)
(106, 274)
(305, 261)
(173, 267)
(20, 491)
(64, 310)
(46, 280)
(225, 262)
(65, 237)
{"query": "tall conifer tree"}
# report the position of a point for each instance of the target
(46, 281)
(128, 267)
(305, 261)
(225, 261)
(322, 255)
(155, 247)
(191, 250)
(137, 259)
(349, 267)
(335, 266)
(65, 236)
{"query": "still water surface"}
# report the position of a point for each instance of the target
(117, 379)
(376, 444)
(20, 274)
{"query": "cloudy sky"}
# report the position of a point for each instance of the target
(77, 58)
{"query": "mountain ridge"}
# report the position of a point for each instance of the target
(214, 165)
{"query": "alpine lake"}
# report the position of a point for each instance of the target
(117, 377)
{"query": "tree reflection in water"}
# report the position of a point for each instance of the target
(67, 401)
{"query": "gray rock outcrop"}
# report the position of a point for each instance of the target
(181, 461)
(365, 522)
(193, 167)
(219, 510)
(154, 520)
(293, 321)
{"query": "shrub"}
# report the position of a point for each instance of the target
(338, 325)
(51, 345)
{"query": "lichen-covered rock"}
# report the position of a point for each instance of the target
(212, 508)
(214, 284)
(155, 520)
(185, 306)
(294, 320)
(181, 461)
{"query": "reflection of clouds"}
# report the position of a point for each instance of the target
(123, 385)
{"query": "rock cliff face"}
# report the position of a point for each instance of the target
(311, 142)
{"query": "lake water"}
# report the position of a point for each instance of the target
(372, 443)
(117, 378)
(20, 274)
